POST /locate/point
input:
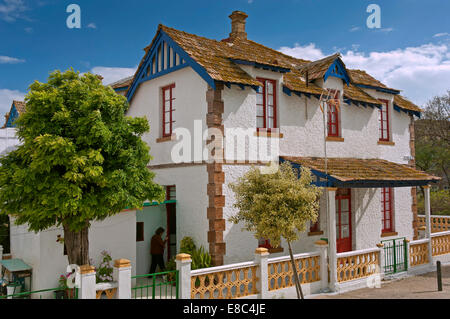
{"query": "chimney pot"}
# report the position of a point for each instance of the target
(238, 25)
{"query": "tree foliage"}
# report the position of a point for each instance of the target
(80, 159)
(275, 206)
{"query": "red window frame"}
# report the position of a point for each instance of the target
(316, 226)
(167, 110)
(169, 193)
(265, 114)
(384, 121)
(333, 116)
(386, 210)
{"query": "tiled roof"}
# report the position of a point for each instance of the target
(121, 83)
(356, 94)
(317, 68)
(403, 103)
(353, 169)
(362, 77)
(216, 57)
(20, 106)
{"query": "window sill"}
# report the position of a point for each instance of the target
(172, 137)
(334, 139)
(392, 233)
(315, 233)
(386, 143)
(268, 134)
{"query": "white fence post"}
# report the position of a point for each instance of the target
(122, 275)
(87, 289)
(408, 247)
(262, 285)
(184, 275)
(382, 259)
(322, 247)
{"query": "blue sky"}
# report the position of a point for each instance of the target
(411, 50)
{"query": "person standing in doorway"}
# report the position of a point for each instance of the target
(157, 246)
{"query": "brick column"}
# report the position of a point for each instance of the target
(412, 163)
(216, 178)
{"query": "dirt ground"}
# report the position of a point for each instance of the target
(417, 287)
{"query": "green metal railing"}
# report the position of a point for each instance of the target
(162, 285)
(58, 293)
(395, 255)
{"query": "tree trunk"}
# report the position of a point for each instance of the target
(294, 268)
(77, 245)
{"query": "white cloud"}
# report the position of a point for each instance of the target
(10, 10)
(443, 34)
(354, 29)
(6, 98)
(112, 74)
(92, 25)
(421, 72)
(386, 29)
(9, 60)
(308, 52)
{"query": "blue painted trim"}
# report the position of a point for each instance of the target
(13, 115)
(399, 109)
(121, 89)
(240, 85)
(365, 104)
(341, 71)
(262, 66)
(379, 89)
(333, 182)
(185, 61)
(287, 91)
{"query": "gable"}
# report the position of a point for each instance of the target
(337, 69)
(163, 57)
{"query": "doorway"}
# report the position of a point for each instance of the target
(343, 220)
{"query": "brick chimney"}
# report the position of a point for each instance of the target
(238, 25)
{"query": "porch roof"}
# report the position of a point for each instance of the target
(361, 173)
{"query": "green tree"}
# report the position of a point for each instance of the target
(275, 206)
(80, 160)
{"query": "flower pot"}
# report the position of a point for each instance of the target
(60, 294)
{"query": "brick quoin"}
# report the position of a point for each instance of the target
(216, 179)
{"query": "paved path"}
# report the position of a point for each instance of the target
(417, 287)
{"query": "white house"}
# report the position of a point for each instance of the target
(189, 83)
(245, 91)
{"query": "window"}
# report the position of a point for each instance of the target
(266, 105)
(333, 115)
(386, 210)
(167, 110)
(384, 120)
(315, 228)
(171, 192)
(265, 243)
(140, 231)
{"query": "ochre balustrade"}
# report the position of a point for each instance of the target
(281, 274)
(440, 245)
(357, 266)
(418, 254)
(438, 223)
(227, 284)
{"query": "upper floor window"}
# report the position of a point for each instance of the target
(333, 114)
(167, 110)
(266, 105)
(384, 120)
(386, 210)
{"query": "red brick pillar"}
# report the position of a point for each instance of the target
(412, 163)
(216, 179)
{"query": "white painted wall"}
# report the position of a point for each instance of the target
(116, 234)
(189, 105)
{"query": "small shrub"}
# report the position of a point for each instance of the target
(105, 270)
(187, 245)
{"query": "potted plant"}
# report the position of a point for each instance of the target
(105, 270)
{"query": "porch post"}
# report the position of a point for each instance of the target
(321, 246)
(261, 258)
(332, 237)
(184, 275)
(122, 275)
(426, 189)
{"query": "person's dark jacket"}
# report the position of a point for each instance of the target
(157, 245)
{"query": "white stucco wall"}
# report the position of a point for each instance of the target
(116, 234)
(189, 105)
